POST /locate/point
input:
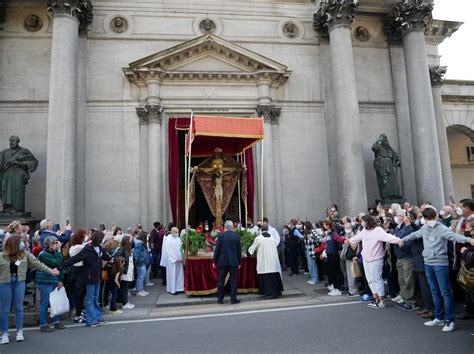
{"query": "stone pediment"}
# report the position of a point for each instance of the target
(207, 58)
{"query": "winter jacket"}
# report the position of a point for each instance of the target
(401, 231)
(52, 259)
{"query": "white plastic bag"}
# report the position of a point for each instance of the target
(58, 302)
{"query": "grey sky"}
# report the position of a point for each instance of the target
(457, 52)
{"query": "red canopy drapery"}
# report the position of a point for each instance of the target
(232, 134)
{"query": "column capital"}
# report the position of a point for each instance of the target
(407, 16)
(270, 113)
(150, 113)
(437, 74)
(333, 13)
(80, 9)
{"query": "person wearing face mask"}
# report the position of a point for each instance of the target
(406, 276)
(333, 241)
(446, 216)
(373, 238)
(52, 257)
(14, 262)
(435, 255)
(174, 263)
(294, 239)
(348, 257)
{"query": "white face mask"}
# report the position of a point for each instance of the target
(431, 223)
(298, 226)
(363, 224)
(422, 221)
(348, 231)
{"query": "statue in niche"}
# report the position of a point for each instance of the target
(385, 164)
(16, 164)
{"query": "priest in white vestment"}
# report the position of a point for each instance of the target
(173, 258)
(268, 264)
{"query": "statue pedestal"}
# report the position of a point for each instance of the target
(24, 218)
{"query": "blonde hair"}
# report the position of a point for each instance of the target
(13, 225)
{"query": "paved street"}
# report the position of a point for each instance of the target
(338, 327)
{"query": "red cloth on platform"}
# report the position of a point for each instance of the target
(201, 278)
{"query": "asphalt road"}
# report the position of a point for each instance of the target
(348, 328)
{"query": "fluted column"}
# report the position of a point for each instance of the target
(270, 116)
(410, 20)
(68, 16)
(333, 19)
(436, 75)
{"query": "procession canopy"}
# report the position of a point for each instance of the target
(232, 134)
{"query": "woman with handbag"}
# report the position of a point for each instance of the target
(51, 256)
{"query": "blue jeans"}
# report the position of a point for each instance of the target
(45, 290)
(93, 312)
(438, 279)
(14, 291)
(141, 271)
(312, 267)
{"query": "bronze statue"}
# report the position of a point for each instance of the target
(385, 163)
(16, 164)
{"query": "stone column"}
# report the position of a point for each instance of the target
(151, 114)
(270, 115)
(436, 75)
(410, 20)
(333, 19)
(405, 143)
(68, 16)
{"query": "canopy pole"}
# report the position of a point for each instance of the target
(188, 172)
(239, 197)
(245, 201)
(261, 171)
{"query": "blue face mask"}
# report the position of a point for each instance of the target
(417, 222)
(22, 245)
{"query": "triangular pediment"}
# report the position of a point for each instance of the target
(207, 56)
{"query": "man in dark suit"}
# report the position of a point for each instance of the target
(227, 257)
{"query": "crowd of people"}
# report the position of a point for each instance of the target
(418, 251)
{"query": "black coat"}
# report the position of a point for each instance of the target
(92, 263)
(228, 250)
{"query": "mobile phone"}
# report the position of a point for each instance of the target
(67, 222)
(451, 200)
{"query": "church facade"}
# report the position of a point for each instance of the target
(90, 87)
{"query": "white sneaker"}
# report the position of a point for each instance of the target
(128, 306)
(149, 284)
(5, 339)
(398, 299)
(434, 323)
(376, 305)
(142, 293)
(331, 287)
(19, 336)
(449, 327)
(335, 292)
(310, 282)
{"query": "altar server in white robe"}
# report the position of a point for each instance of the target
(268, 265)
(174, 262)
